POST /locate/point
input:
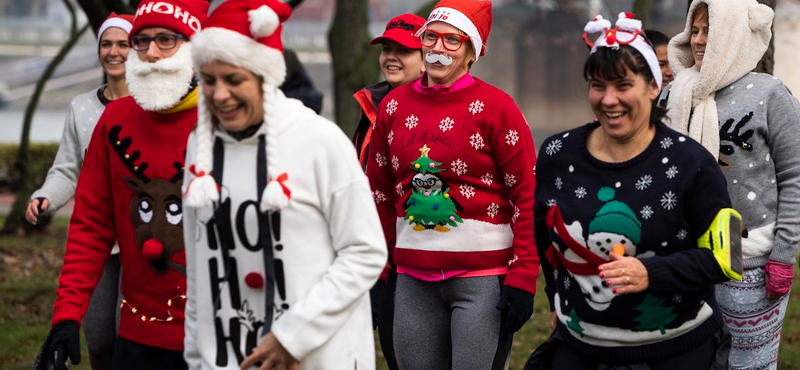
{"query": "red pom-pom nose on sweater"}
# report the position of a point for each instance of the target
(254, 280)
(152, 249)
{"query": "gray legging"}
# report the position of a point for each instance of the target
(101, 322)
(450, 324)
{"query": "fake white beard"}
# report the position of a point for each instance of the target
(433, 58)
(160, 85)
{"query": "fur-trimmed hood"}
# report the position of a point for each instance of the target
(738, 35)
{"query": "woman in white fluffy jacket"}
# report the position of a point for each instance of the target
(751, 123)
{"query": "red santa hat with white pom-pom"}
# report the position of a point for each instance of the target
(245, 33)
(627, 31)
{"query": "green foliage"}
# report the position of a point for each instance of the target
(41, 159)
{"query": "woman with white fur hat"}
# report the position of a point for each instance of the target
(282, 236)
(751, 123)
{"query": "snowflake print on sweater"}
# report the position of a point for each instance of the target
(395, 163)
(553, 147)
(378, 196)
(390, 137)
(476, 107)
(512, 137)
(412, 121)
(381, 160)
(446, 124)
(643, 182)
(476, 140)
(391, 107)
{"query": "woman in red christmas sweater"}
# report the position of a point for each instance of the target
(451, 165)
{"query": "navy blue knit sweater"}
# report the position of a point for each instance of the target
(656, 205)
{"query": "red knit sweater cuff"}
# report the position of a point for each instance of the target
(66, 313)
(521, 279)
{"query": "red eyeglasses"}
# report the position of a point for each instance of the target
(450, 41)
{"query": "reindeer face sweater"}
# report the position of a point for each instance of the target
(129, 190)
(452, 175)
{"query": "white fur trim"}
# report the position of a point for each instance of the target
(263, 21)
(113, 22)
(228, 46)
(458, 20)
(159, 85)
(628, 24)
(760, 17)
(598, 24)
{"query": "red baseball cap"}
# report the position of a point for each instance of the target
(402, 30)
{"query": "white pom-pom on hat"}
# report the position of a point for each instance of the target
(598, 24)
(263, 21)
(204, 191)
(627, 22)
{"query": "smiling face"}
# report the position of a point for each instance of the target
(663, 63)
(400, 64)
(114, 52)
(444, 75)
(699, 35)
(233, 95)
(623, 105)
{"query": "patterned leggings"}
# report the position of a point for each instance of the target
(755, 321)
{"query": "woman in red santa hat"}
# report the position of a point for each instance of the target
(62, 178)
(282, 237)
(451, 165)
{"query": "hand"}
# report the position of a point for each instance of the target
(626, 274)
(271, 354)
(553, 320)
(520, 307)
(779, 279)
(36, 206)
(62, 342)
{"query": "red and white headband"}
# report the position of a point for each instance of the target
(627, 31)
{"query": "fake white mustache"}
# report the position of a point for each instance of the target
(433, 58)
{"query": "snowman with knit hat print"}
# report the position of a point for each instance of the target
(615, 228)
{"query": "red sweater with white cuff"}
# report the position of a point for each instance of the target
(129, 190)
(453, 176)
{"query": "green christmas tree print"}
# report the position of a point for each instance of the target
(575, 323)
(654, 314)
(430, 205)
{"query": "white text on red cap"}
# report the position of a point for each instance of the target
(167, 8)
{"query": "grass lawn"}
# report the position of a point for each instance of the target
(29, 269)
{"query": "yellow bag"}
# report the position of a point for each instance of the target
(724, 239)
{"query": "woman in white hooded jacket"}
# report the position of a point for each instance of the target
(751, 123)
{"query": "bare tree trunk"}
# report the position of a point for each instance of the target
(355, 62)
(767, 62)
(642, 10)
(15, 221)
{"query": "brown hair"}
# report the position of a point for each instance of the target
(700, 12)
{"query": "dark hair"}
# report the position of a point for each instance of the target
(608, 64)
(656, 38)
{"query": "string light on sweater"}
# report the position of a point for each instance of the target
(135, 311)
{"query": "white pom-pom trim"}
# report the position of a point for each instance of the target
(263, 21)
(598, 24)
(201, 192)
(628, 24)
(273, 198)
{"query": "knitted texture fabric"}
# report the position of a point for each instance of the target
(452, 175)
(129, 190)
(655, 205)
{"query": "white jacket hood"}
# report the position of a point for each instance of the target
(739, 34)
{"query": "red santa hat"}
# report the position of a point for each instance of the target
(123, 21)
(245, 33)
(473, 17)
(184, 17)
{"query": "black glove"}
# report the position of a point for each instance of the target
(520, 307)
(63, 341)
(375, 301)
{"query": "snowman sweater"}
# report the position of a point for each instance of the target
(656, 205)
(453, 175)
(129, 190)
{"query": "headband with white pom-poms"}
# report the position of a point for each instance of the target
(627, 31)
